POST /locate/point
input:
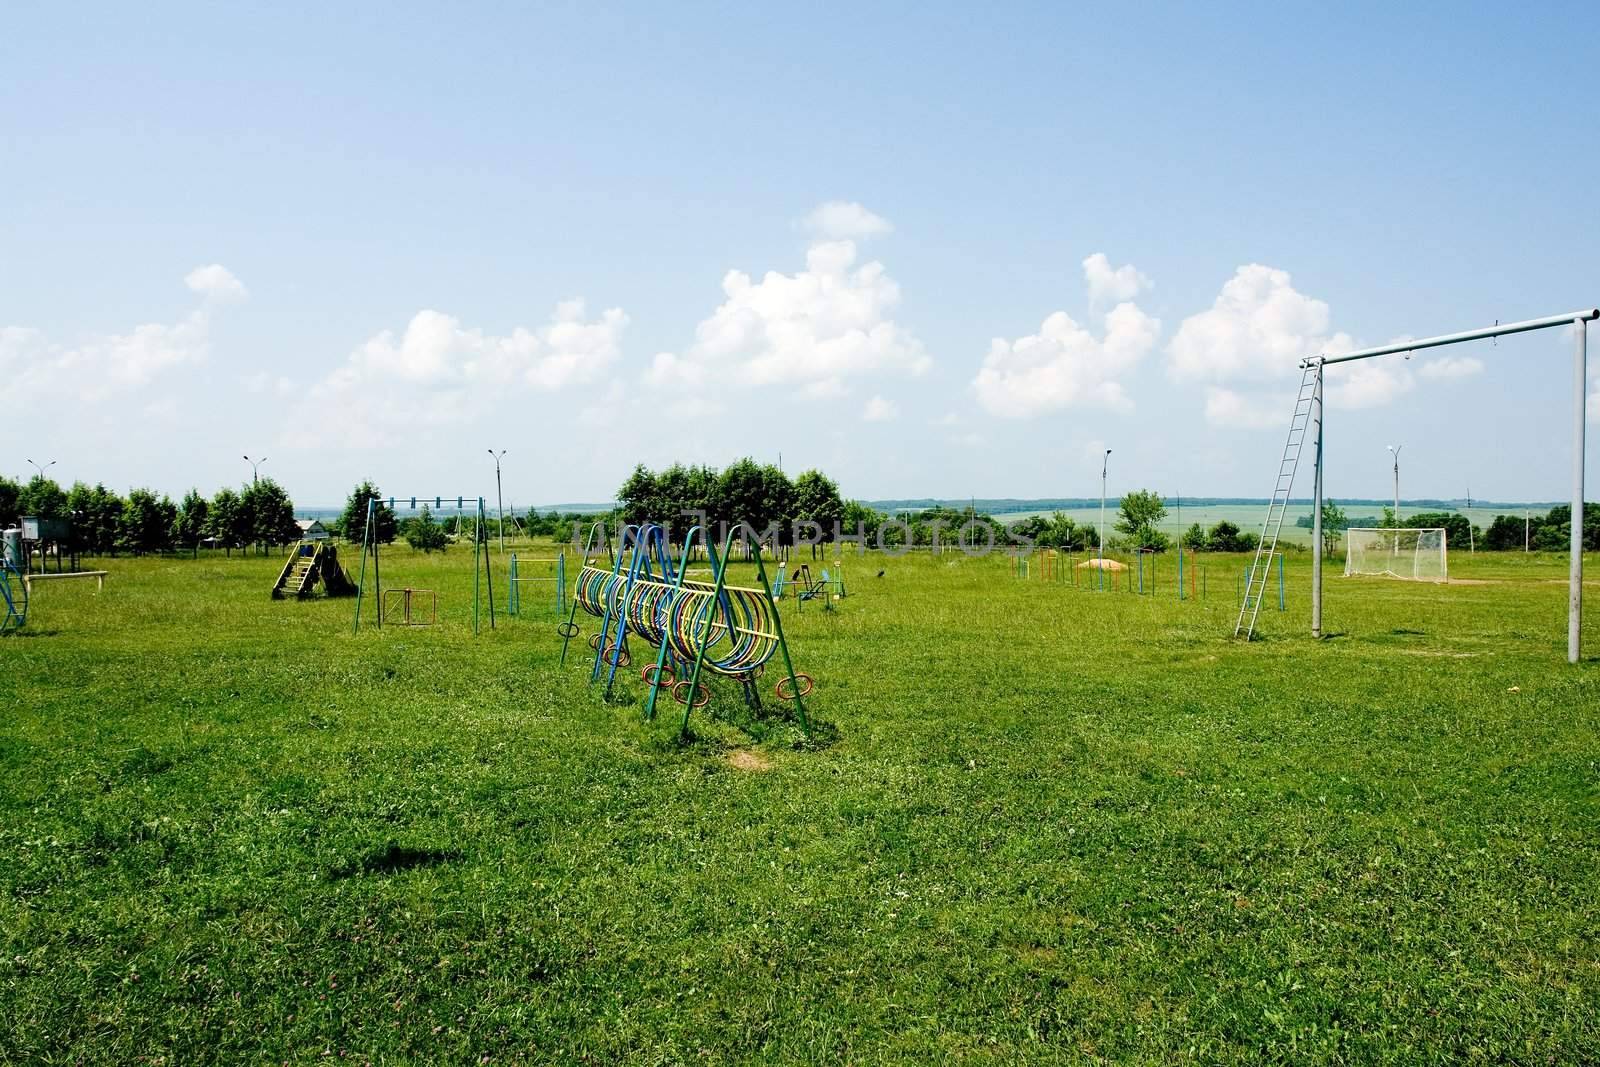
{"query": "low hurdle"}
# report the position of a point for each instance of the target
(98, 576)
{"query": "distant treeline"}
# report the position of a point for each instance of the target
(1551, 532)
(105, 522)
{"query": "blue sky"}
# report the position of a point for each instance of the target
(934, 251)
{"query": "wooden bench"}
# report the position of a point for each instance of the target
(98, 576)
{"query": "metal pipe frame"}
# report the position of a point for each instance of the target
(1579, 321)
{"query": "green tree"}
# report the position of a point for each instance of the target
(190, 526)
(226, 520)
(269, 512)
(1334, 523)
(1457, 527)
(146, 523)
(1141, 512)
(816, 499)
(1555, 535)
(1224, 537)
(1507, 532)
(10, 495)
(1194, 537)
(42, 497)
(353, 521)
(425, 535)
(637, 499)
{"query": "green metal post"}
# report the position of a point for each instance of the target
(488, 567)
(783, 646)
(361, 587)
(721, 569)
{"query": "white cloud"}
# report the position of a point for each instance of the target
(880, 410)
(105, 364)
(437, 373)
(815, 328)
(216, 282)
(1112, 285)
(1064, 365)
(839, 220)
(1225, 407)
(1449, 367)
(1259, 325)
(1257, 332)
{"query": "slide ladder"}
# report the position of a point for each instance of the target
(309, 562)
(1261, 567)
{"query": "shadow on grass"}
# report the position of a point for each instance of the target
(391, 859)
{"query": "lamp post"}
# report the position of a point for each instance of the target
(1105, 461)
(1396, 450)
(255, 468)
(42, 468)
(498, 501)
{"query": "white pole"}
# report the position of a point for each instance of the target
(1316, 508)
(1580, 357)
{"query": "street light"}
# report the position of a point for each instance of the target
(255, 468)
(498, 503)
(1105, 461)
(42, 469)
(1396, 450)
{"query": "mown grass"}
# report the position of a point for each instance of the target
(1041, 824)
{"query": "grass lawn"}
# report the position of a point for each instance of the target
(1040, 824)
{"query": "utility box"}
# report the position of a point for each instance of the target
(11, 547)
(53, 530)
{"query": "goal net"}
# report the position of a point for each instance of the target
(1418, 555)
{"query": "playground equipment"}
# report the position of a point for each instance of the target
(312, 562)
(557, 577)
(407, 597)
(829, 587)
(694, 626)
(15, 595)
(482, 576)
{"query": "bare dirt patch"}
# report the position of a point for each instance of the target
(744, 759)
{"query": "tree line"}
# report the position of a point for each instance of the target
(105, 522)
(1550, 532)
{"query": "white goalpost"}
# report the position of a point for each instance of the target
(1418, 555)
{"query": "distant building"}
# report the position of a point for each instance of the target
(312, 530)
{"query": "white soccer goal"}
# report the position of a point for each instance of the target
(1418, 555)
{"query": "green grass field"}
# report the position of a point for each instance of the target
(1039, 824)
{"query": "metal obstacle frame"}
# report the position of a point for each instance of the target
(16, 605)
(645, 595)
(408, 595)
(514, 578)
(482, 576)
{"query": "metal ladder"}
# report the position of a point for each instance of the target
(1255, 586)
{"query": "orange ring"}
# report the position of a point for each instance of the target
(617, 655)
(665, 672)
(803, 683)
(594, 641)
(702, 695)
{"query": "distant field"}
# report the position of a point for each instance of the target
(1040, 823)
